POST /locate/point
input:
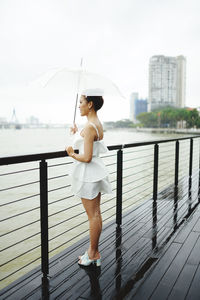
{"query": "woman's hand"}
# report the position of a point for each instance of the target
(73, 129)
(70, 151)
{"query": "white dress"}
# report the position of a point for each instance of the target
(89, 179)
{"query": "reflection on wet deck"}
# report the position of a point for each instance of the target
(148, 256)
(176, 274)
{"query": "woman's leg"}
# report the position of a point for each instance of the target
(93, 211)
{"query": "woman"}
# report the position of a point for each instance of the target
(89, 176)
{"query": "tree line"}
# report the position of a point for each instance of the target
(165, 118)
(168, 118)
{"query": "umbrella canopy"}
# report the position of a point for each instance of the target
(76, 81)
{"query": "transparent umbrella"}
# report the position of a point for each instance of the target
(74, 82)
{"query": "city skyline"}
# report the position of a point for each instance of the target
(37, 36)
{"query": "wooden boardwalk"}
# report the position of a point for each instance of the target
(176, 274)
(130, 269)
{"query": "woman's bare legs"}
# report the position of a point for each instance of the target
(92, 208)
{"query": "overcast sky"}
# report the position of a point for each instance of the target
(116, 38)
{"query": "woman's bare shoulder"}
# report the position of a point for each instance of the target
(93, 127)
(88, 129)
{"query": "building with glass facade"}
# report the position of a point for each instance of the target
(137, 106)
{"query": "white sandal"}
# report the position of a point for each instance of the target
(86, 261)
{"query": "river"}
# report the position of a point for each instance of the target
(27, 141)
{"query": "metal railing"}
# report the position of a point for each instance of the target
(38, 219)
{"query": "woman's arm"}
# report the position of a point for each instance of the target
(89, 135)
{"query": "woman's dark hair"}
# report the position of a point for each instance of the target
(97, 101)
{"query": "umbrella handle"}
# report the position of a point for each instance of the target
(75, 109)
(77, 94)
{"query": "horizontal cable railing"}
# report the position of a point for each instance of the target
(40, 217)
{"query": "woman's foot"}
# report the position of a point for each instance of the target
(86, 261)
(92, 255)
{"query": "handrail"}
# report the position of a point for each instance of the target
(9, 160)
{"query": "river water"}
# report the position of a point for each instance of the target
(19, 185)
(27, 141)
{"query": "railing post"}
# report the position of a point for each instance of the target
(155, 175)
(190, 176)
(176, 185)
(191, 161)
(155, 195)
(119, 187)
(176, 163)
(44, 218)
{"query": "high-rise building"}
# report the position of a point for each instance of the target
(133, 97)
(137, 106)
(140, 107)
(167, 81)
(181, 81)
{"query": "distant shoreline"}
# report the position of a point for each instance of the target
(136, 129)
(169, 130)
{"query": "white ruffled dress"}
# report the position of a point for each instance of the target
(89, 179)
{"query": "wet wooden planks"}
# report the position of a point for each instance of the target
(176, 275)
